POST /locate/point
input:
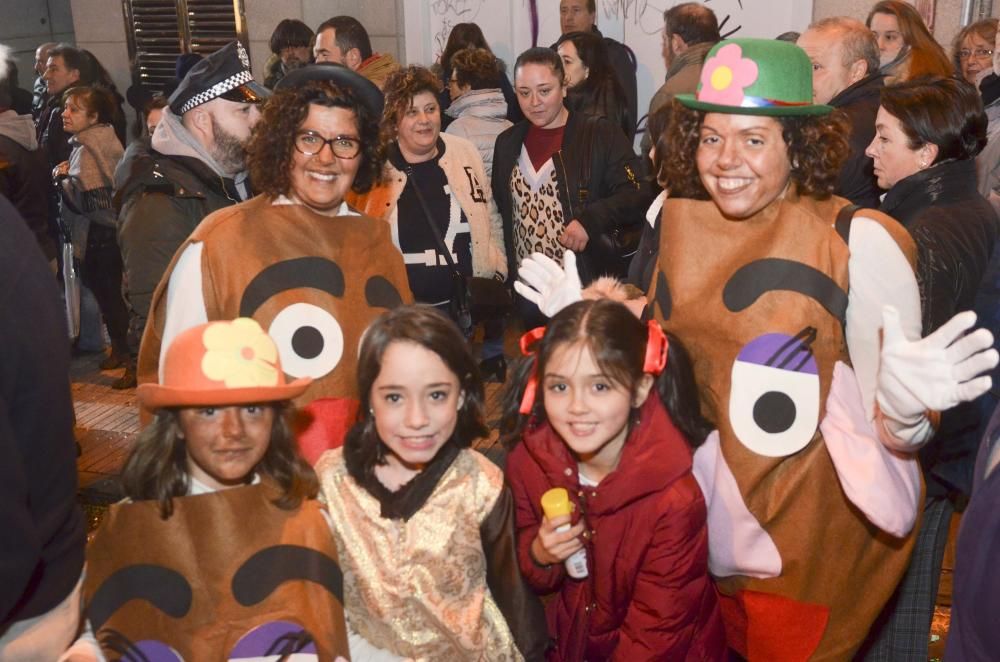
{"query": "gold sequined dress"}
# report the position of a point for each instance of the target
(443, 583)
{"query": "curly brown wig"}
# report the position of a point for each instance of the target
(399, 91)
(817, 147)
(272, 144)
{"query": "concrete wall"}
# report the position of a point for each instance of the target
(100, 28)
(28, 23)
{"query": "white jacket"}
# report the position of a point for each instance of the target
(480, 116)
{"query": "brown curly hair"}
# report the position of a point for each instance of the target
(817, 147)
(272, 144)
(399, 91)
(476, 67)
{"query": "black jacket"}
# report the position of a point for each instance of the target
(52, 139)
(41, 549)
(612, 196)
(624, 63)
(955, 230)
(162, 201)
(26, 182)
(860, 102)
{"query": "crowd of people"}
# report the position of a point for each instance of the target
(750, 397)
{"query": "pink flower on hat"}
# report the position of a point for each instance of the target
(239, 354)
(726, 75)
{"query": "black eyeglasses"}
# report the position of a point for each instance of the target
(980, 53)
(311, 143)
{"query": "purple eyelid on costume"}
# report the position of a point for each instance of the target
(782, 351)
(277, 638)
(150, 650)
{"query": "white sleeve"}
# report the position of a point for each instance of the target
(185, 298)
(878, 274)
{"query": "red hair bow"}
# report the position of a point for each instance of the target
(657, 348)
(527, 342)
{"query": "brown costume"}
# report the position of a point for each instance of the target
(313, 282)
(209, 587)
(769, 293)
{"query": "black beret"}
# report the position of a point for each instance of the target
(338, 74)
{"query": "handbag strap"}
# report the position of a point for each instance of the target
(410, 179)
(843, 222)
(584, 160)
(586, 141)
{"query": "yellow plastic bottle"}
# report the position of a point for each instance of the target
(555, 502)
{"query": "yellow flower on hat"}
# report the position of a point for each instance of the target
(239, 354)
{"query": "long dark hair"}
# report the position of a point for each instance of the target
(156, 467)
(424, 326)
(600, 93)
(464, 35)
(617, 341)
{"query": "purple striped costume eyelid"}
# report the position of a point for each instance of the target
(782, 351)
(268, 639)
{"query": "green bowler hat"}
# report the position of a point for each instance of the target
(755, 77)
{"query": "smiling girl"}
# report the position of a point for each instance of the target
(424, 525)
(596, 427)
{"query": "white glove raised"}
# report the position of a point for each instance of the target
(935, 373)
(546, 284)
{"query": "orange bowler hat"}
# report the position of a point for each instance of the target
(221, 363)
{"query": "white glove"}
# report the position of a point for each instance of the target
(935, 373)
(546, 284)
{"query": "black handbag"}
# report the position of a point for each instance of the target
(611, 253)
(474, 299)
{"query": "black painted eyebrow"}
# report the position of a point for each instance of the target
(261, 574)
(759, 277)
(165, 589)
(381, 293)
(316, 272)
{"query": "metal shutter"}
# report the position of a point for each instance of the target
(160, 30)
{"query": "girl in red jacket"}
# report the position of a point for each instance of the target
(581, 415)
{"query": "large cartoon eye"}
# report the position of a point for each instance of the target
(774, 394)
(277, 640)
(309, 339)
